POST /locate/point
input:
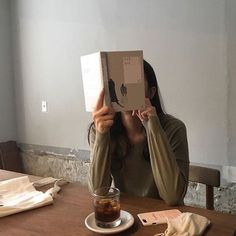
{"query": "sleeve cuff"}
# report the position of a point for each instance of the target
(152, 121)
(101, 138)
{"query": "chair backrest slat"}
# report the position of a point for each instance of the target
(208, 176)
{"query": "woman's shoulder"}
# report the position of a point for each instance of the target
(169, 121)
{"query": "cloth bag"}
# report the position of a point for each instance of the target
(186, 224)
(19, 194)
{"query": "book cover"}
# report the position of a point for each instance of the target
(120, 73)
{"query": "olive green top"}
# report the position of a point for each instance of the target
(164, 176)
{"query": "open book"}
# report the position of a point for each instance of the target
(120, 73)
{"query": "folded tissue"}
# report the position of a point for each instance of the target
(19, 194)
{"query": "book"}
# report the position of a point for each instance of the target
(121, 75)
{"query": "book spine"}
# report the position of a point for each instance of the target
(104, 64)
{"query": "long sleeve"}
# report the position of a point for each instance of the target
(99, 172)
(169, 158)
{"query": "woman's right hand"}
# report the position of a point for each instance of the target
(102, 115)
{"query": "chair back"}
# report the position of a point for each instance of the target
(208, 176)
(10, 158)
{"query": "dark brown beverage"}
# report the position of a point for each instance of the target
(107, 207)
(107, 210)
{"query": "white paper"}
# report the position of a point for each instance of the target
(132, 70)
(92, 79)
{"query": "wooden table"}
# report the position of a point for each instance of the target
(66, 216)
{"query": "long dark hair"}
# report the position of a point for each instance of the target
(152, 82)
(117, 130)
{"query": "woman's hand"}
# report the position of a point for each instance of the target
(145, 114)
(102, 115)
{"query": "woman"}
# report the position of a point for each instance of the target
(144, 152)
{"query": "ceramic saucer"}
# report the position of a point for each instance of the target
(127, 221)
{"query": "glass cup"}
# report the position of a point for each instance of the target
(107, 207)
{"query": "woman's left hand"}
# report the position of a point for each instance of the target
(145, 114)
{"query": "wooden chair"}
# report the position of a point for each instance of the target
(10, 158)
(208, 176)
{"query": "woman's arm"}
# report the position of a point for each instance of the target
(99, 173)
(169, 158)
(168, 148)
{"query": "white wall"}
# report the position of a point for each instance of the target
(184, 40)
(231, 62)
(7, 101)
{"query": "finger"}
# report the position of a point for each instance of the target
(144, 114)
(99, 103)
(101, 122)
(101, 119)
(103, 114)
(104, 126)
(139, 115)
(111, 110)
(108, 123)
(148, 102)
(102, 111)
(107, 117)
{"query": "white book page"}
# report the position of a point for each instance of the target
(132, 70)
(92, 79)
